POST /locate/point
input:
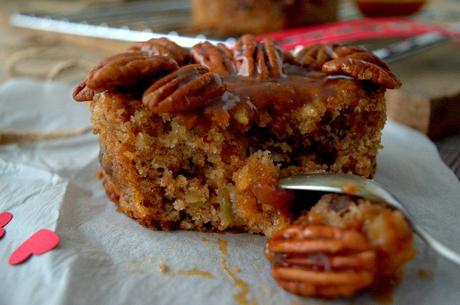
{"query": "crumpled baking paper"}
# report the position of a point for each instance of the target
(107, 258)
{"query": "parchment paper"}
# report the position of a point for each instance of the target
(106, 258)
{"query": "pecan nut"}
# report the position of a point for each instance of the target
(348, 60)
(190, 87)
(128, 69)
(82, 93)
(218, 58)
(263, 60)
(315, 56)
(362, 70)
(321, 261)
(164, 47)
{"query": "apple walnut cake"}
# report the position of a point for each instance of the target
(198, 138)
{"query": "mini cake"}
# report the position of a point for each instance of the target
(259, 16)
(198, 139)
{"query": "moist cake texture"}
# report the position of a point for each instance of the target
(197, 139)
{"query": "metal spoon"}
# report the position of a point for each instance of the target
(366, 188)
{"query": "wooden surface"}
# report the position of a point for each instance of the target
(51, 56)
(430, 97)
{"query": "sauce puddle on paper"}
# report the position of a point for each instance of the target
(136, 265)
(382, 292)
(195, 272)
(223, 246)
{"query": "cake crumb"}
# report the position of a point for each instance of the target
(163, 267)
(235, 269)
(99, 174)
(350, 188)
(424, 274)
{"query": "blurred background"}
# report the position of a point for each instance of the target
(61, 40)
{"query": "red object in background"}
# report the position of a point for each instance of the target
(353, 30)
(41, 242)
(5, 218)
(388, 8)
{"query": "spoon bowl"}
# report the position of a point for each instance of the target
(366, 188)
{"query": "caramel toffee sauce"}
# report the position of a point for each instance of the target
(279, 97)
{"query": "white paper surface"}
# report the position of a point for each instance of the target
(107, 258)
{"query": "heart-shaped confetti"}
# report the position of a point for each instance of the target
(41, 242)
(5, 218)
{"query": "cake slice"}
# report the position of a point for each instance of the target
(197, 139)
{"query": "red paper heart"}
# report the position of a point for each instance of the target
(41, 242)
(5, 218)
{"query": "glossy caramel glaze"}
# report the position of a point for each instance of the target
(245, 99)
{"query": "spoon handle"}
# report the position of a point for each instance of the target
(436, 245)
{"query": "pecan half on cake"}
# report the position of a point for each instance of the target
(197, 139)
